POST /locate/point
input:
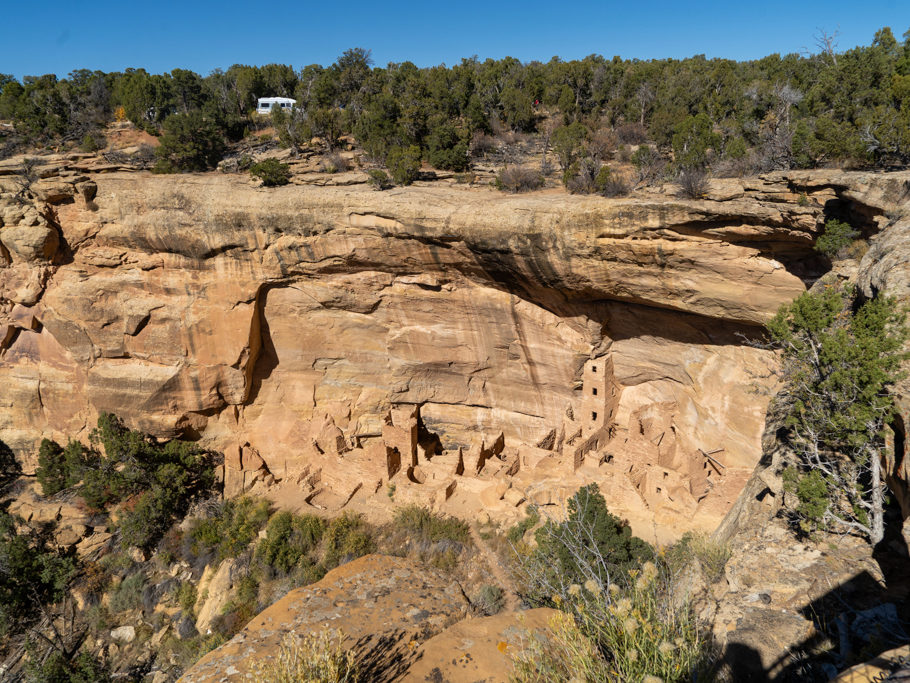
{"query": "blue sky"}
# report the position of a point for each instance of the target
(52, 36)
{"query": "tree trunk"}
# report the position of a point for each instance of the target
(877, 522)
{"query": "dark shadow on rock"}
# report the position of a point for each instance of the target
(741, 662)
(858, 619)
(267, 358)
(384, 658)
(10, 469)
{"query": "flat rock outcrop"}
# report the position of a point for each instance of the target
(286, 326)
(384, 606)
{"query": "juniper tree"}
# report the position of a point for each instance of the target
(838, 361)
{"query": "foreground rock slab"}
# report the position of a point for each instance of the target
(479, 650)
(385, 607)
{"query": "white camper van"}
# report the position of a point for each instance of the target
(266, 104)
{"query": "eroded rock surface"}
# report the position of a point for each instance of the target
(384, 606)
(336, 343)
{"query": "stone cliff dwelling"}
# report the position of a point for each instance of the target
(354, 350)
(646, 470)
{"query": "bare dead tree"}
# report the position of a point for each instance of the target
(827, 43)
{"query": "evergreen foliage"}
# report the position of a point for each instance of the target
(56, 668)
(839, 358)
(289, 539)
(272, 172)
(778, 111)
(837, 236)
(228, 532)
(160, 480)
(191, 142)
(590, 544)
(404, 164)
(60, 468)
(33, 572)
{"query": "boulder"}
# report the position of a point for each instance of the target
(124, 634)
(384, 606)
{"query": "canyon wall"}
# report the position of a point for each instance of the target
(334, 341)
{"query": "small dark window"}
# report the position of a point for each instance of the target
(666, 474)
(593, 417)
(593, 368)
(658, 489)
(594, 391)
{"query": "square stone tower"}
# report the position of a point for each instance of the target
(600, 399)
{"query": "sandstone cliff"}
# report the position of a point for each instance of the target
(334, 340)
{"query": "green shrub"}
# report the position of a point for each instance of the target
(837, 236)
(92, 142)
(128, 593)
(606, 540)
(164, 167)
(693, 138)
(160, 480)
(735, 148)
(489, 599)
(191, 142)
(51, 471)
(346, 537)
(425, 525)
(272, 172)
(812, 492)
(591, 544)
(445, 147)
(33, 572)
(153, 511)
(378, 179)
(186, 597)
(56, 668)
(289, 539)
(231, 530)
(60, 468)
(404, 164)
(638, 633)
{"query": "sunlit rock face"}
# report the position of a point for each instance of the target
(285, 327)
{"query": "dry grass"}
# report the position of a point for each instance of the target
(314, 658)
(519, 179)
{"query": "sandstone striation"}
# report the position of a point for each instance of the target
(459, 347)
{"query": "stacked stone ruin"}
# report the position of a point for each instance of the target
(497, 478)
